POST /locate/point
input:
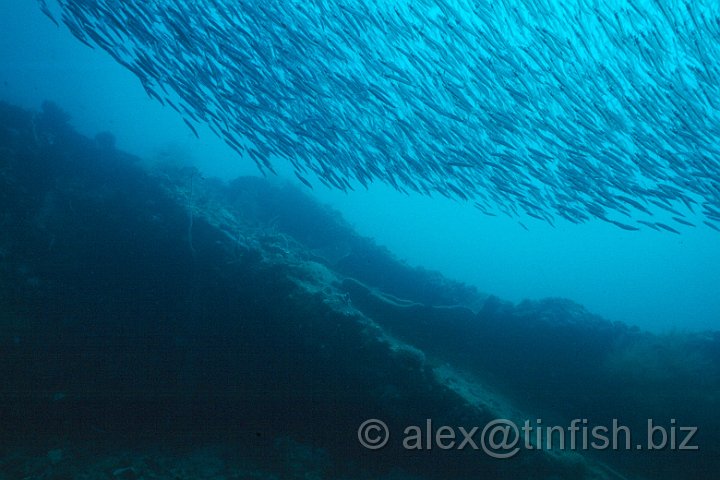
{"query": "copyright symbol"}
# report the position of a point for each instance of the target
(499, 439)
(373, 434)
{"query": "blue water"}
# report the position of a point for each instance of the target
(168, 312)
(655, 279)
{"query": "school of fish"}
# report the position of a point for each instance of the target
(574, 109)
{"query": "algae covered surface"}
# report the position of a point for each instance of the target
(157, 324)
